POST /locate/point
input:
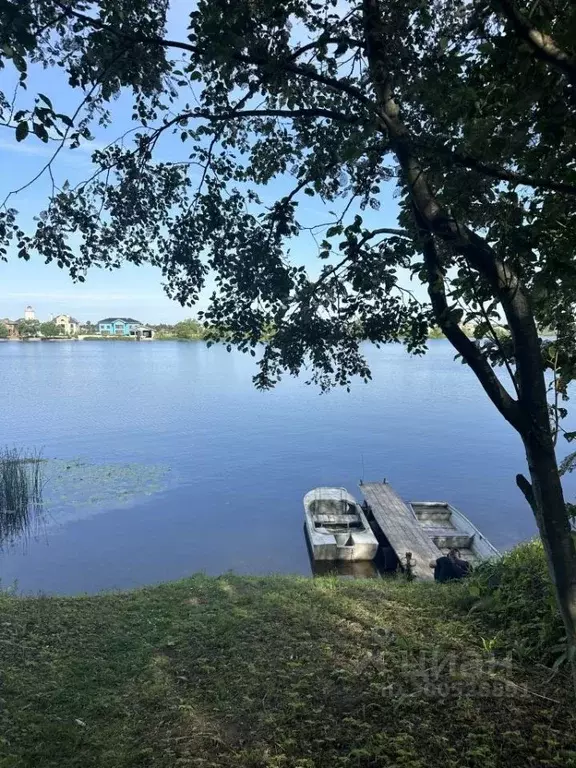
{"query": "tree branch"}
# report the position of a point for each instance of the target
(352, 252)
(542, 44)
(487, 169)
(336, 84)
(469, 350)
(323, 41)
(495, 337)
(62, 142)
(434, 219)
(261, 61)
(384, 231)
(239, 114)
(528, 492)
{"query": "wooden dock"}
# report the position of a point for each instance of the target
(398, 524)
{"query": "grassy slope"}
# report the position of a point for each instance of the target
(278, 672)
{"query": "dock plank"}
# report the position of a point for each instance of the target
(400, 527)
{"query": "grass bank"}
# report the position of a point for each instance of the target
(279, 672)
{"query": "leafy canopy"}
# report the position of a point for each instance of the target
(258, 90)
(188, 329)
(50, 329)
(28, 328)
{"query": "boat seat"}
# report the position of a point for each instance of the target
(433, 515)
(343, 519)
(436, 530)
(450, 537)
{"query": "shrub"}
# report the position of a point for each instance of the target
(514, 597)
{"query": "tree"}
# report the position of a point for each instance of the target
(28, 329)
(50, 329)
(4, 334)
(189, 329)
(442, 100)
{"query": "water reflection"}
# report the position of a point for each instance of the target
(21, 492)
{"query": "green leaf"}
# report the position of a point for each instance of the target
(22, 131)
(41, 132)
(66, 120)
(46, 100)
(19, 63)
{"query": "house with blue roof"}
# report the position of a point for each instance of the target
(118, 326)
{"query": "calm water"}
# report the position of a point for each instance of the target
(224, 467)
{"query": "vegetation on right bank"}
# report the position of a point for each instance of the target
(186, 330)
(513, 599)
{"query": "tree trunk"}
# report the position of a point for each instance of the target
(529, 414)
(554, 527)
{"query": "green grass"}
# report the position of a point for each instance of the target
(282, 672)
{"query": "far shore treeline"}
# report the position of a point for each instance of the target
(186, 330)
(189, 329)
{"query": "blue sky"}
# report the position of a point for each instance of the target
(133, 291)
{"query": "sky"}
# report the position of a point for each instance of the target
(130, 291)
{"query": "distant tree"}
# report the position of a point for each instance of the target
(50, 329)
(189, 329)
(4, 334)
(163, 331)
(28, 328)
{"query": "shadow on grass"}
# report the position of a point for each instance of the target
(276, 672)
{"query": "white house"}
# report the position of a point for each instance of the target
(69, 325)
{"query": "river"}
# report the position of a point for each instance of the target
(163, 460)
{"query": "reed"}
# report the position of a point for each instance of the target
(21, 486)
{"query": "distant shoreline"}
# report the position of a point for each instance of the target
(131, 339)
(95, 338)
(159, 339)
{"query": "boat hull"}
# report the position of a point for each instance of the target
(337, 528)
(448, 528)
(326, 550)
